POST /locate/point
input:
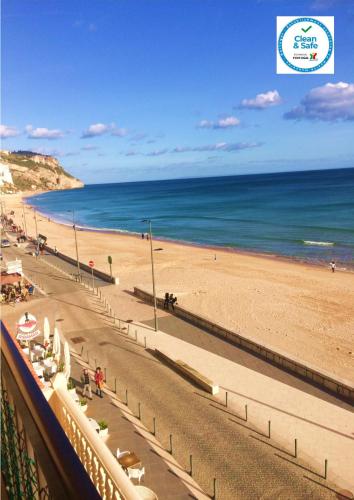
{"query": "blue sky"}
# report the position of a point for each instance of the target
(126, 90)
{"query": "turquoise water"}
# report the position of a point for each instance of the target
(306, 215)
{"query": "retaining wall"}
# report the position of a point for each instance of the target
(99, 274)
(340, 387)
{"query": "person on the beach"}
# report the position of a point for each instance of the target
(142, 236)
(99, 381)
(87, 383)
(166, 301)
(333, 266)
(147, 236)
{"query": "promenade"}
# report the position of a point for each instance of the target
(221, 445)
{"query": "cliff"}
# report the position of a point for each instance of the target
(35, 172)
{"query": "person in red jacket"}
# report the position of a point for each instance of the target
(99, 381)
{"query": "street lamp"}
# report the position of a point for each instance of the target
(76, 247)
(24, 219)
(37, 239)
(148, 221)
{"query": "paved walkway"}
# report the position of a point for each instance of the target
(127, 433)
(221, 445)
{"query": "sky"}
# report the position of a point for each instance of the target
(125, 90)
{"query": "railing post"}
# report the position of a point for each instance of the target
(171, 449)
(191, 465)
(326, 469)
(154, 426)
(295, 443)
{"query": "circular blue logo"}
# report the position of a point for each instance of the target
(307, 20)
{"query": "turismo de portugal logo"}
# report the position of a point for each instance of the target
(305, 45)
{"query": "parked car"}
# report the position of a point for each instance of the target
(5, 243)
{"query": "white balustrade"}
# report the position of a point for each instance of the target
(107, 475)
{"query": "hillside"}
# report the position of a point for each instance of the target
(33, 172)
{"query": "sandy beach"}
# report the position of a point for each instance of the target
(303, 310)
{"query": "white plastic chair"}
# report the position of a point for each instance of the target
(136, 473)
(120, 454)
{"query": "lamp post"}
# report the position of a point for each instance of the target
(24, 219)
(37, 239)
(148, 221)
(76, 247)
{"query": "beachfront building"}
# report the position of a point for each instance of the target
(5, 174)
(49, 449)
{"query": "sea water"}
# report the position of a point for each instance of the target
(305, 215)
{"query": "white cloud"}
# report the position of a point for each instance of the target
(119, 132)
(6, 131)
(331, 102)
(95, 130)
(89, 147)
(139, 136)
(157, 152)
(43, 133)
(98, 129)
(222, 123)
(220, 146)
(48, 152)
(262, 101)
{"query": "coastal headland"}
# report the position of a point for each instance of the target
(301, 309)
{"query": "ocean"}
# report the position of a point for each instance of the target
(303, 215)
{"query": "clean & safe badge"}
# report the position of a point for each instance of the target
(305, 45)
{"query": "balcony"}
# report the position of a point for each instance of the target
(49, 450)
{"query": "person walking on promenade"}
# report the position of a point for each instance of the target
(87, 383)
(99, 381)
(166, 301)
(333, 266)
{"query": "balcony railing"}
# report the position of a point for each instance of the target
(49, 449)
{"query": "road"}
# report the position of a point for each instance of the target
(222, 447)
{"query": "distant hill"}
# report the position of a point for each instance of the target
(33, 172)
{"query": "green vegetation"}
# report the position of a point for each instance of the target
(71, 384)
(102, 424)
(22, 183)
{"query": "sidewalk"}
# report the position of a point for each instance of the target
(126, 432)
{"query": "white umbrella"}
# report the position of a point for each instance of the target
(46, 331)
(67, 369)
(56, 344)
